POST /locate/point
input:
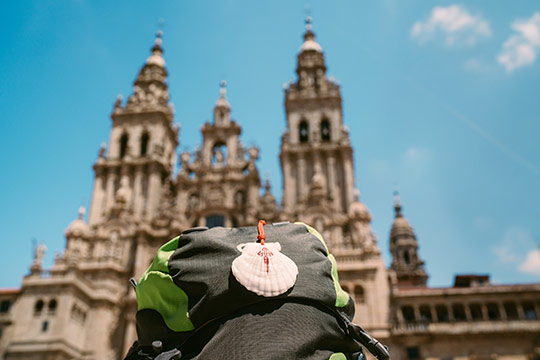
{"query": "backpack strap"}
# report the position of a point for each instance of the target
(379, 350)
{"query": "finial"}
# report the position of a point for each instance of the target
(82, 211)
(222, 88)
(102, 149)
(267, 181)
(308, 17)
(156, 57)
(159, 33)
(397, 202)
(158, 40)
(356, 194)
(308, 35)
(118, 101)
(308, 23)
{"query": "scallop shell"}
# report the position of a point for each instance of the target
(263, 269)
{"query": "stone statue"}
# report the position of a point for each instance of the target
(39, 254)
(219, 158)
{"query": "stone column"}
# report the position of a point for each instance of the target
(485, 315)
(139, 266)
(349, 179)
(331, 167)
(154, 190)
(399, 314)
(502, 311)
(521, 313)
(417, 317)
(288, 189)
(468, 315)
(125, 182)
(450, 310)
(231, 150)
(109, 199)
(302, 184)
(434, 316)
(130, 334)
(138, 193)
(98, 196)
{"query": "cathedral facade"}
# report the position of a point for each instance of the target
(84, 308)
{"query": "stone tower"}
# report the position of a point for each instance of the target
(82, 308)
(142, 148)
(318, 182)
(406, 263)
(219, 184)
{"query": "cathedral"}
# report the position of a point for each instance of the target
(84, 308)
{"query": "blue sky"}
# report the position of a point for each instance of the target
(441, 98)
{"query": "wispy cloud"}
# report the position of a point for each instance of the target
(454, 24)
(519, 251)
(506, 255)
(480, 66)
(531, 265)
(521, 48)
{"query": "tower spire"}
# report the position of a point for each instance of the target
(406, 261)
(150, 90)
(397, 203)
(309, 37)
(222, 108)
(156, 57)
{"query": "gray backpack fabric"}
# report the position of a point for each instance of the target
(191, 306)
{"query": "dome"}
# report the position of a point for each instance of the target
(310, 44)
(78, 227)
(401, 227)
(155, 59)
(357, 210)
(309, 39)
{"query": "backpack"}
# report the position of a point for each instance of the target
(265, 292)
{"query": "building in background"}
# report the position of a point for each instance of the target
(83, 307)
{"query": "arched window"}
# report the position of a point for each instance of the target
(406, 257)
(38, 307)
(123, 145)
(4, 306)
(325, 130)
(459, 312)
(52, 306)
(442, 313)
(303, 130)
(408, 314)
(239, 199)
(425, 314)
(359, 294)
(44, 326)
(221, 116)
(476, 311)
(145, 139)
(219, 154)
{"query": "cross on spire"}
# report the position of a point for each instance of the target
(397, 201)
